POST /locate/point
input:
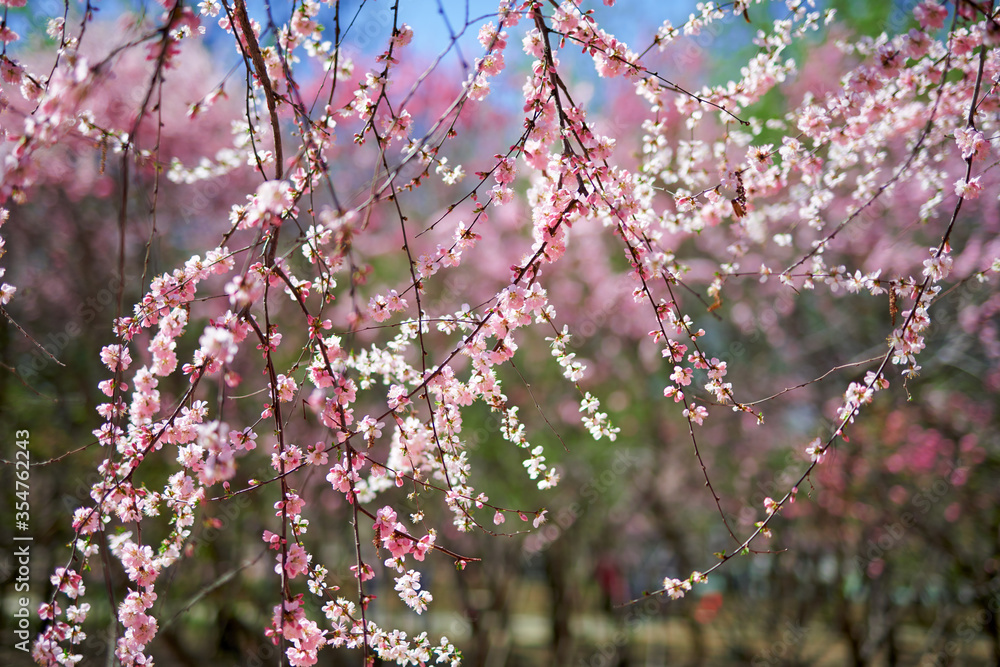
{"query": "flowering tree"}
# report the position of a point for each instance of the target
(382, 242)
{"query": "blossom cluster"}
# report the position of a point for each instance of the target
(385, 362)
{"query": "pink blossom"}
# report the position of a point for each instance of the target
(972, 143)
(676, 588)
(86, 520)
(7, 292)
(140, 632)
(682, 376)
(403, 35)
(7, 35)
(970, 189)
(328, 240)
(931, 15)
(490, 38)
(816, 451)
(296, 563)
(696, 414)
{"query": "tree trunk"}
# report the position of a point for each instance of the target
(561, 598)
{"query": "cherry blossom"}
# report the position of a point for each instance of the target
(378, 264)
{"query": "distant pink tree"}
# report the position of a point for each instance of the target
(398, 238)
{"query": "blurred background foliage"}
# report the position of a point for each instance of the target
(888, 557)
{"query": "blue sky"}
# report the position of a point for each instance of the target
(628, 20)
